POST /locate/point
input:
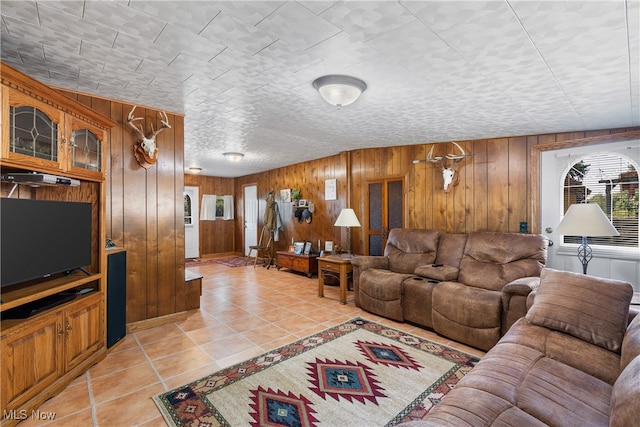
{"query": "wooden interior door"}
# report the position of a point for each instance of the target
(385, 206)
(191, 222)
(251, 216)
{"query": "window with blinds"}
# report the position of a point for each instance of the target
(611, 181)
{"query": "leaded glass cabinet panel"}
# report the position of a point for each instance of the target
(86, 150)
(33, 133)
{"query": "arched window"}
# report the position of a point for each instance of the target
(611, 181)
(188, 213)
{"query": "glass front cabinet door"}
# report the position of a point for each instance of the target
(85, 148)
(35, 134)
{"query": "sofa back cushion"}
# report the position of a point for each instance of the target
(491, 260)
(450, 249)
(593, 309)
(407, 249)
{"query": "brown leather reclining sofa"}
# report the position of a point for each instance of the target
(468, 287)
(573, 360)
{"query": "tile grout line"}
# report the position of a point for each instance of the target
(150, 362)
(92, 402)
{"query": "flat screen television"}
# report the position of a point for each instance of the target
(39, 238)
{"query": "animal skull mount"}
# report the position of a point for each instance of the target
(145, 149)
(449, 173)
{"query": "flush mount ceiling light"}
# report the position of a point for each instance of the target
(195, 169)
(233, 157)
(339, 90)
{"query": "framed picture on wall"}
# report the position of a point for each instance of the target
(285, 195)
(330, 191)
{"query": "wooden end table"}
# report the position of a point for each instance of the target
(338, 266)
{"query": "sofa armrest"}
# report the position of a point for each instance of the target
(514, 300)
(362, 263)
(522, 286)
(442, 273)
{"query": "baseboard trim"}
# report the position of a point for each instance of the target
(157, 321)
(220, 255)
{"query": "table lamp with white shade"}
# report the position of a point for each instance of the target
(348, 219)
(586, 220)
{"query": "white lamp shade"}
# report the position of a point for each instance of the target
(347, 218)
(586, 219)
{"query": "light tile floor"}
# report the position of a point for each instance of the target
(244, 312)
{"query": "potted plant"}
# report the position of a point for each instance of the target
(295, 195)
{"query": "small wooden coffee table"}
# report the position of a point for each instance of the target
(338, 266)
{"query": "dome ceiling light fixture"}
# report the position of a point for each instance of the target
(339, 90)
(233, 157)
(195, 169)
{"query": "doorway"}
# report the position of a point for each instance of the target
(191, 222)
(251, 209)
(385, 207)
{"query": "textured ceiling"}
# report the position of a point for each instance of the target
(241, 71)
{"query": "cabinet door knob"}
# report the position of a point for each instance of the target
(68, 327)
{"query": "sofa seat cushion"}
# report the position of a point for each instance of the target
(590, 308)
(469, 407)
(558, 394)
(467, 314)
(438, 272)
(381, 292)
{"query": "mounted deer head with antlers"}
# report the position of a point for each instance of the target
(449, 173)
(145, 148)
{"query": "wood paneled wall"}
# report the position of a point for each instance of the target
(494, 191)
(145, 208)
(310, 178)
(216, 237)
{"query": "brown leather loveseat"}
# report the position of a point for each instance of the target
(468, 287)
(573, 360)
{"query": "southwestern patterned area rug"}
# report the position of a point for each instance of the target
(236, 261)
(359, 373)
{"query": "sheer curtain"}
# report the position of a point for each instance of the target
(216, 207)
(228, 207)
(208, 207)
